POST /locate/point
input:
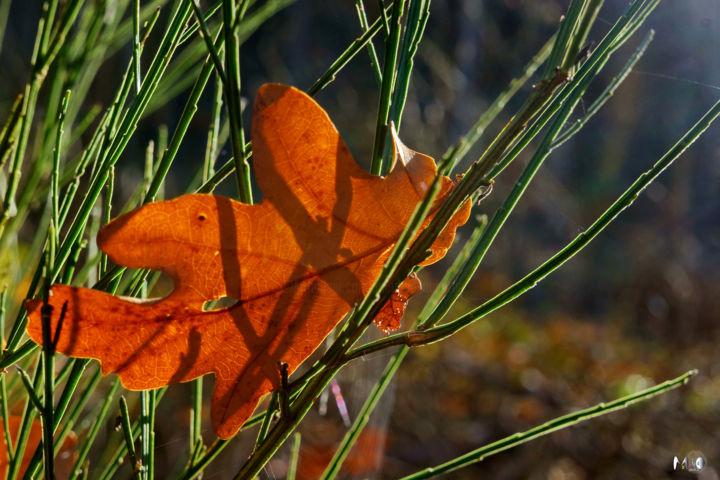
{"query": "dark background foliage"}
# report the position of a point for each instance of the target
(638, 306)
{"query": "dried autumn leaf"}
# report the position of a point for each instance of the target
(388, 318)
(296, 263)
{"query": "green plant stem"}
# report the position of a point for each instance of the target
(207, 38)
(137, 45)
(6, 418)
(4, 14)
(563, 40)
(47, 408)
(191, 106)
(115, 460)
(30, 389)
(374, 62)
(3, 386)
(127, 433)
(23, 434)
(386, 88)
(294, 457)
(196, 414)
(55, 196)
(418, 14)
(329, 75)
(552, 426)
(606, 94)
(217, 446)
(94, 430)
(213, 134)
(457, 152)
(9, 129)
(232, 13)
(147, 415)
(267, 418)
(582, 29)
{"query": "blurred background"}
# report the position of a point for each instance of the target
(638, 306)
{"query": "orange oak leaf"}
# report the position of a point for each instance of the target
(296, 263)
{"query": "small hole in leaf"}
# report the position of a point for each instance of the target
(201, 217)
(219, 304)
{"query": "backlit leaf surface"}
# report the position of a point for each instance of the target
(296, 263)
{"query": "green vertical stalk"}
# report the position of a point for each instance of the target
(137, 45)
(114, 462)
(294, 457)
(388, 78)
(107, 213)
(587, 19)
(232, 14)
(147, 419)
(94, 430)
(153, 407)
(127, 433)
(564, 37)
(48, 422)
(418, 14)
(213, 134)
(374, 62)
(196, 413)
(3, 386)
(24, 432)
(55, 195)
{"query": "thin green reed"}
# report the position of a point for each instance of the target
(233, 13)
(374, 62)
(129, 441)
(552, 426)
(392, 43)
